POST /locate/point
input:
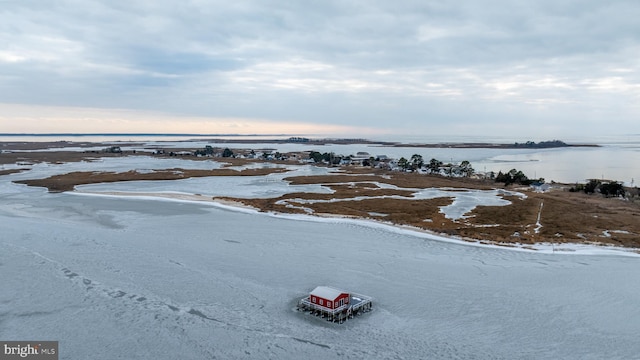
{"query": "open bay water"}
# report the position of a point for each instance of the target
(617, 157)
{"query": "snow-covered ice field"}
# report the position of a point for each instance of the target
(126, 277)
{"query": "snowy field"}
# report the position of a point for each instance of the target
(125, 277)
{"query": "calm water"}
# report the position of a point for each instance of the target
(617, 158)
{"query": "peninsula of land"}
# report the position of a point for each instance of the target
(555, 215)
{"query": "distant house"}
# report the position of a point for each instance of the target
(393, 165)
(113, 150)
(252, 155)
(329, 297)
(540, 187)
(361, 158)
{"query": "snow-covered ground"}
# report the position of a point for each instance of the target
(154, 278)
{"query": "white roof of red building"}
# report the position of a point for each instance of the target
(327, 292)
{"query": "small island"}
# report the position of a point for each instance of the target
(526, 145)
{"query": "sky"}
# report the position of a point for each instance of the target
(533, 69)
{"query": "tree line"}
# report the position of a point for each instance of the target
(436, 167)
(606, 188)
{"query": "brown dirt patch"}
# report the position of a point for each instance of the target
(57, 157)
(12, 171)
(574, 217)
(67, 182)
(564, 216)
(39, 145)
(404, 180)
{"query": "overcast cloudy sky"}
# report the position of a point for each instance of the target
(545, 68)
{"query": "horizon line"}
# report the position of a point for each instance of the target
(136, 134)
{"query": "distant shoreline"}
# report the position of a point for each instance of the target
(458, 145)
(290, 140)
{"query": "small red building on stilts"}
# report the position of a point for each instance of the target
(334, 304)
(329, 297)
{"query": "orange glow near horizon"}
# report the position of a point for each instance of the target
(25, 119)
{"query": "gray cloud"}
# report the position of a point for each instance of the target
(432, 65)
